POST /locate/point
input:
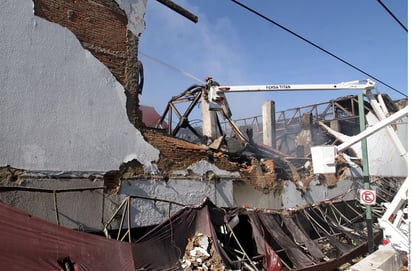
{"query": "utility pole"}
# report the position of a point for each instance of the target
(365, 166)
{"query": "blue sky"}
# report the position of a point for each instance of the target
(237, 47)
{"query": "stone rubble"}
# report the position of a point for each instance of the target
(200, 254)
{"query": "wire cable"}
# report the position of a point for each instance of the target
(317, 46)
(393, 16)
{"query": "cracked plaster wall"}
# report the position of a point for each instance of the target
(61, 109)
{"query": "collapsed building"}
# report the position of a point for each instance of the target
(79, 151)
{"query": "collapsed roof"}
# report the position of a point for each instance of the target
(322, 236)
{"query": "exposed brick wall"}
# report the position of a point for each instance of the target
(175, 153)
(101, 27)
(133, 71)
(179, 154)
(260, 174)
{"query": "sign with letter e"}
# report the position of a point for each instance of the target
(367, 197)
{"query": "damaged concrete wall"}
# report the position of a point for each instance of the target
(64, 109)
(291, 195)
(384, 157)
(61, 109)
(185, 173)
(75, 203)
(187, 187)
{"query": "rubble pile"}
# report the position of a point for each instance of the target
(200, 254)
(328, 249)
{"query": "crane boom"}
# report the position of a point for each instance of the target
(216, 93)
(360, 85)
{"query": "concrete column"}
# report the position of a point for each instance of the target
(303, 138)
(209, 120)
(269, 124)
(334, 124)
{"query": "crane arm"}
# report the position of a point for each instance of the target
(217, 92)
(360, 85)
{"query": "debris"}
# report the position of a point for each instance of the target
(9, 174)
(201, 255)
(217, 144)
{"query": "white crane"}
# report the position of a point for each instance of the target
(216, 93)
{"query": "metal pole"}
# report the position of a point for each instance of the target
(241, 248)
(365, 166)
(410, 219)
(129, 222)
(373, 129)
(55, 207)
(122, 221)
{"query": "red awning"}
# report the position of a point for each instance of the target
(30, 243)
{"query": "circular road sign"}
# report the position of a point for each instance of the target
(367, 197)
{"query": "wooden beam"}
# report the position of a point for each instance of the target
(182, 11)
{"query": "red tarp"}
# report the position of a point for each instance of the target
(30, 243)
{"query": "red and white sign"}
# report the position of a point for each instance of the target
(367, 197)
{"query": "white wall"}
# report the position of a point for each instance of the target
(384, 157)
(60, 108)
